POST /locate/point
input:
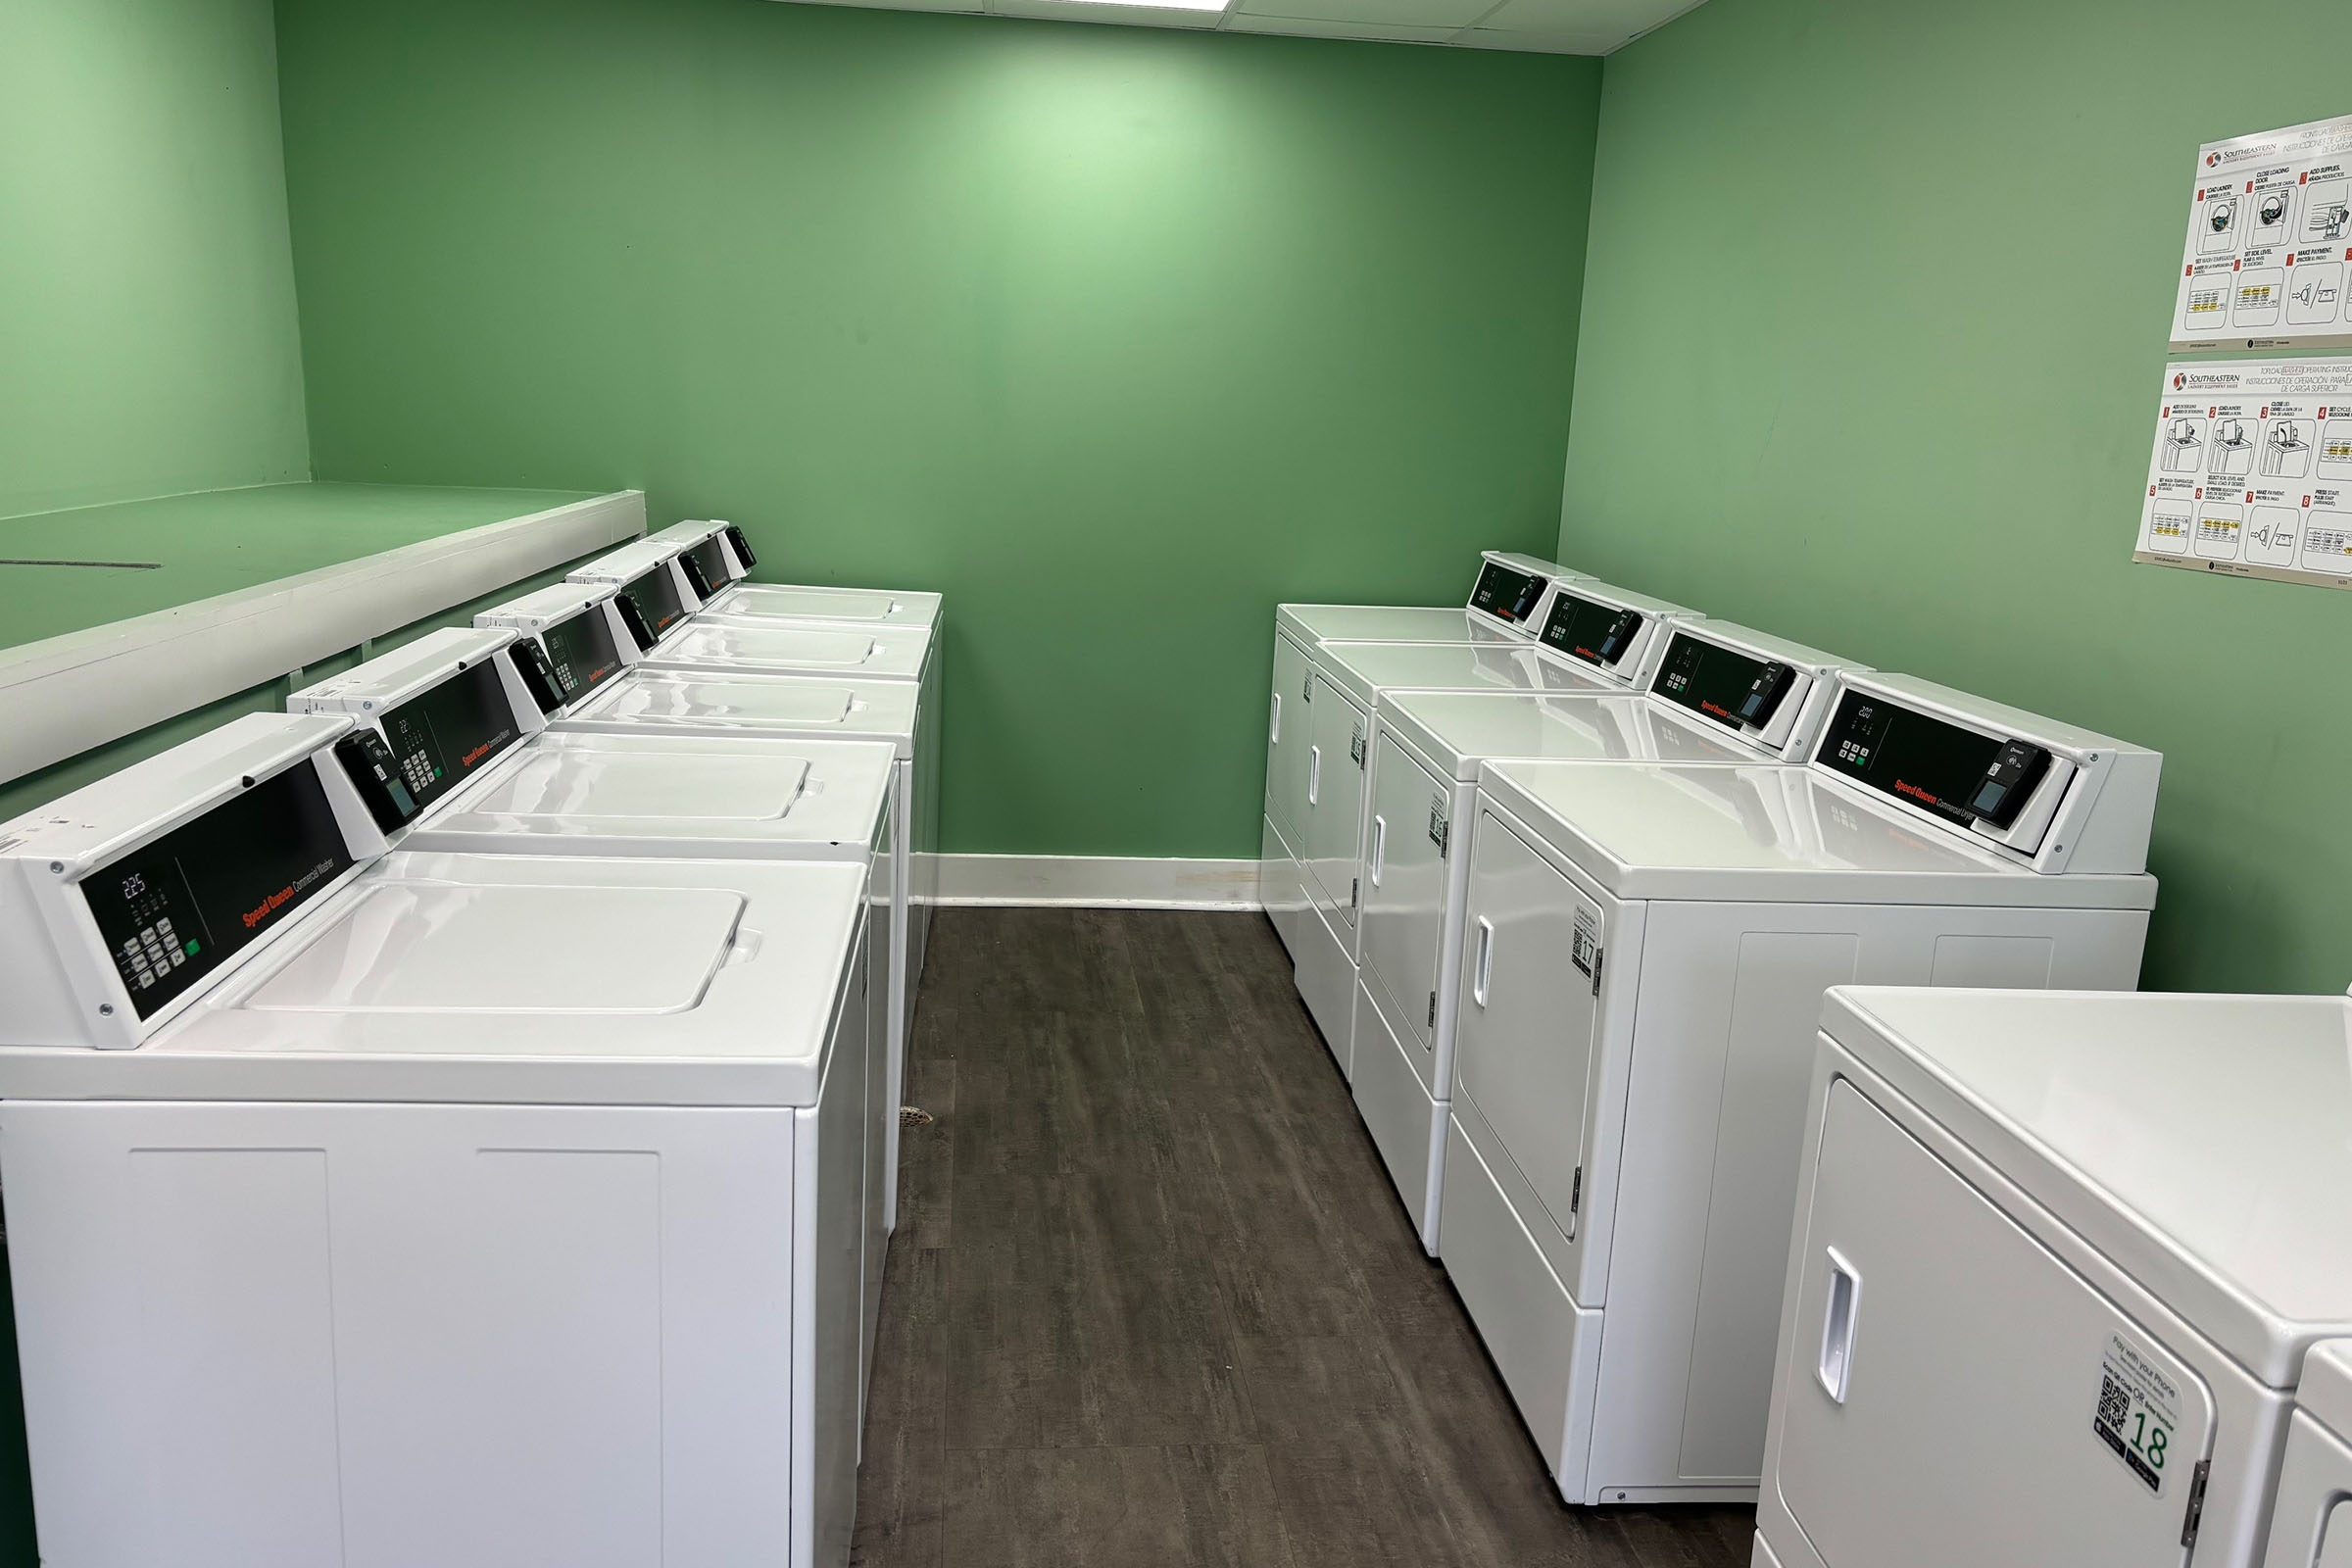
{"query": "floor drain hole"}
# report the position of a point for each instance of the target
(915, 1116)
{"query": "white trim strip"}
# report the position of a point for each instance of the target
(63, 694)
(1101, 882)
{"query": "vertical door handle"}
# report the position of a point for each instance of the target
(1274, 732)
(1481, 968)
(1314, 773)
(1837, 1327)
(1380, 845)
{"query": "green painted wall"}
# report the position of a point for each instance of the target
(147, 313)
(1875, 315)
(1119, 336)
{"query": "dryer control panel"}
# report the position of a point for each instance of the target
(1509, 596)
(2057, 798)
(1619, 633)
(1770, 692)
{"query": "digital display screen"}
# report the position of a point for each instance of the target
(1506, 594)
(175, 910)
(440, 738)
(1909, 755)
(656, 595)
(710, 560)
(1721, 683)
(1592, 632)
(580, 652)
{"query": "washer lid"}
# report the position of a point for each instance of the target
(1388, 623)
(657, 794)
(1366, 669)
(408, 947)
(1654, 830)
(761, 645)
(1458, 730)
(769, 601)
(514, 979)
(2326, 1390)
(680, 702)
(2200, 1143)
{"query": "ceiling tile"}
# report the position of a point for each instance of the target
(1539, 44)
(1326, 27)
(1613, 20)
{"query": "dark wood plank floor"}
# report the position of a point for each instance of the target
(1151, 1300)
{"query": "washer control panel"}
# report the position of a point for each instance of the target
(179, 906)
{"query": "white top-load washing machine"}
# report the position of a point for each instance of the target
(2310, 1517)
(811, 603)
(1645, 951)
(1720, 694)
(450, 751)
(2058, 1263)
(660, 593)
(376, 1207)
(595, 667)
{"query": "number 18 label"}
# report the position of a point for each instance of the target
(2138, 1413)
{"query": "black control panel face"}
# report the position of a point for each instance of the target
(440, 738)
(1721, 683)
(175, 911)
(368, 762)
(1960, 775)
(538, 675)
(1506, 594)
(580, 652)
(655, 597)
(1594, 632)
(743, 547)
(706, 566)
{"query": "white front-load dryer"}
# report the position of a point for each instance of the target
(1645, 946)
(1317, 740)
(2311, 1516)
(2078, 1255)
(369, 1205)
(1719, 695)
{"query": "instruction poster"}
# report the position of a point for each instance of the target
(2269, 242)
(2252, 471)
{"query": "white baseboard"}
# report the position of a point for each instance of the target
(1104, 882)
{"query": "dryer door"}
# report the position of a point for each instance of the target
(1956, 1395)
(1339, 741)
(1287, 719)
(1404, 897)
(1529, 1017)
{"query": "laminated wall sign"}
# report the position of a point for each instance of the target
(2251, 473)
(2268, 256)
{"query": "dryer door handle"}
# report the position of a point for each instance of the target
(1380, 846)
(1314, 773)
(1837, 1327)
(1274, 731)
(1481, 968)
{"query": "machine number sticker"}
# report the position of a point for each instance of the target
(2140, 1411)
(1583, 947)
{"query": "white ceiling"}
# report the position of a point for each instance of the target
(1546, 27)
